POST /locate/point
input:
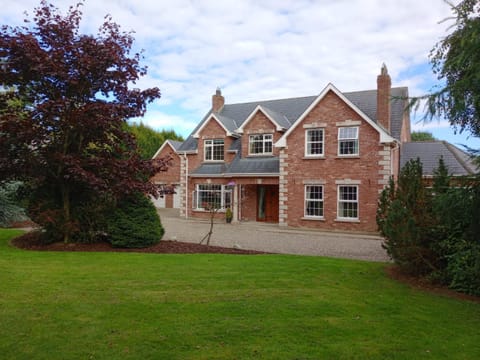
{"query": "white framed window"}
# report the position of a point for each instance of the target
(314, 201)
(260, 144)
(214, 150)
(314, 142)
(347, 202)
(348, 141)
(208, 195)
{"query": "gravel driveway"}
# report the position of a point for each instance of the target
(272, 238)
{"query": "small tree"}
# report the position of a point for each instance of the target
(212, 208)
(404, 219)
(62, 126)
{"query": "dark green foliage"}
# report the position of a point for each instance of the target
(459, 246)
(134, 223)
(405, 221)
(149, 140)
(433, 235)
(441, 178)
(463, 269)
(422, 136)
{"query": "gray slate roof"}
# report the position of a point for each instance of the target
(210, 169)
(176, 144)
(429, 152)
(286, 111)
(254, 165)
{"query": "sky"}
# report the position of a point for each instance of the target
(269, 49)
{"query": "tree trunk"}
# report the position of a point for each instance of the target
(66, 226)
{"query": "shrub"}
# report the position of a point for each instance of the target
(10, 211)
(463, 268)
(459, 247)
(434, 235)
(134, 223)
(404, 219)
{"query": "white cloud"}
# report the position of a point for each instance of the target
(266, 49)
(431, 125)
(158, 120)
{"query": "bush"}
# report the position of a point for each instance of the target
(433, 235)
(10, 211)
(134, 223)
(404, 219)
(459, 247)
(463, 269)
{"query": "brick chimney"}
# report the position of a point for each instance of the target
(384, 86)
(217, 101)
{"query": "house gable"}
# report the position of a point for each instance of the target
(172, 173)
(211, 118)
(165, 144)
(258, 124)
(269, 114)
(384, 136)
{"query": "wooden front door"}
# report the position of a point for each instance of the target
(267, 203)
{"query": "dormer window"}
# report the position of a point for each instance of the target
(214, 150)
(260, 144)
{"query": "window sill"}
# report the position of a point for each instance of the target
(213, 161)
(314, 157)
(312, 218)
(207, 211)
(347, 157)
(260, 155)
(350, 220)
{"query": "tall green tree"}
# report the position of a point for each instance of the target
(455, 61)
(68, 142)
(422, 136)
(149, 140)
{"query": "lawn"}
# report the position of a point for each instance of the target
(60, 305)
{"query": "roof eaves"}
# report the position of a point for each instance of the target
(165, 143)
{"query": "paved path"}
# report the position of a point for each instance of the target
(272, 238)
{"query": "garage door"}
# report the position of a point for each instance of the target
(176, 198)
(159, 203)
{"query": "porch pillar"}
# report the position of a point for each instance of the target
(235, 204)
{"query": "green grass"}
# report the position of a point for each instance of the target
(148, 306)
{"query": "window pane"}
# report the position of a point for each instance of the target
(348, 201)
(348, 193)
(348, 133)
(214, 149)
(314, 200)
(315, 142)
(268, 147)
(348, 147)
(261, 144)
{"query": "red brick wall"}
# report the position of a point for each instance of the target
(364, 168)
(260, 124)
(172, 175)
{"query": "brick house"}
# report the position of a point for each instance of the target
(318, 161)
(171, 177)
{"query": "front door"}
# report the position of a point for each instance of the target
(267, 204)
